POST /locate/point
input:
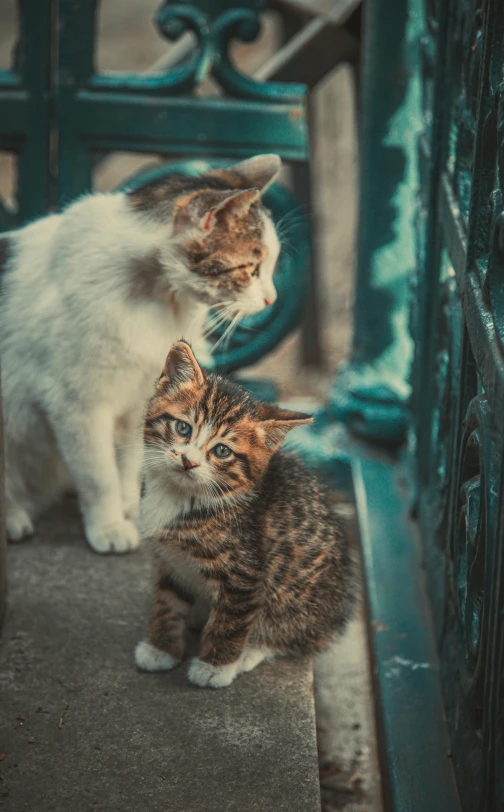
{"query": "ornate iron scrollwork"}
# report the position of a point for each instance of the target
(214, 26)
(467, 44)
(447, 375)
(470, 620)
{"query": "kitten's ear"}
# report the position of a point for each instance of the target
(235, 206)
(277, 422)
(258, 172)
(181, 368)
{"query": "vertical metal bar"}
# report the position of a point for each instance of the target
(76, 27)
(371, 393)
(428, 293)
(34, 63)
(311, 344)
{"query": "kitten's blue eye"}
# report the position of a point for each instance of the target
(183, 429)
(222, 451)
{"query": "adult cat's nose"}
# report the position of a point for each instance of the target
(188, 464)
(270, 295)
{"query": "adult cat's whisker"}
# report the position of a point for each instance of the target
(228, 331)
(218, 322)
(233, 326)
(219, 310)
(221, 318)
(229, 308)
(296, 211)
(220, 305)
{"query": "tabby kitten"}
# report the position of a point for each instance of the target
(245, 539)
(92, 300)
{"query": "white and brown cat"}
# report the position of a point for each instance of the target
(92, 300)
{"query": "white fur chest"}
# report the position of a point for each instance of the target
(158, 510)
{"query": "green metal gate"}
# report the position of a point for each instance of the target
(458, 378)
(432, 181)
(450, 93)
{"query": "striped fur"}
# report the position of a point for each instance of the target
(252, 537)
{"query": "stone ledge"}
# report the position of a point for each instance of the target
(83, 730)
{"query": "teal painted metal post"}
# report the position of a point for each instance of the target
(372, 391)
(25, 101)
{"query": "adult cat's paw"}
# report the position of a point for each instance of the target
(121, 537)
(18, 524)
(132, 510)
(150, 658)
(131, 501)
(211, 676)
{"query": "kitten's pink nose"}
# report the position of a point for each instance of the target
(268, 302)
(188, 464)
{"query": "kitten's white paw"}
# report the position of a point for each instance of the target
(211, 676)
(18, 524)
(150, 658)
(121, 537)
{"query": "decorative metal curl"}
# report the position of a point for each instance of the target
(468, 45)
(493, 287)
(245, 25)
(214, 31)
(172, 22)
(472, 551)
(446, 376)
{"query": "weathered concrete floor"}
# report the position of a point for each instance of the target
(349, 772)
(81, 729)
(348, 759)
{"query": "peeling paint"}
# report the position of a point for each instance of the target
(371, 391)
(395, 665)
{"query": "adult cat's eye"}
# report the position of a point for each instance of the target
(221, 451)
(183, 429)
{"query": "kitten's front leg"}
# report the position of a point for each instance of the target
(86, 442)
(198, 616)
(165, 646)
(224, 639)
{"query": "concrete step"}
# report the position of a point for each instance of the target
(81, 729)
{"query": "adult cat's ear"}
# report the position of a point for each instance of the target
(235, 206)
(258, 172)
(181, 368)
(276, 422)
(205, 209)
